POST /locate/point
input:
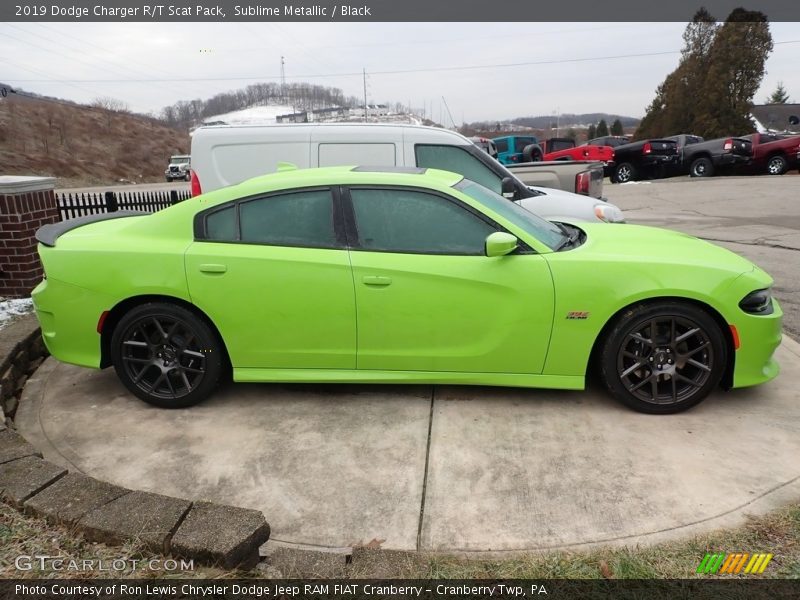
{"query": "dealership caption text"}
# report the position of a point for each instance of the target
(158, 11)
(278, 590)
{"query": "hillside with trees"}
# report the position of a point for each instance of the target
(303, 96)
(83, 145)
(711, 91)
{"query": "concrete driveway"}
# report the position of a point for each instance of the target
(435, 468)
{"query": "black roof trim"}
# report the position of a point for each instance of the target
(409, 170)
(48, 234)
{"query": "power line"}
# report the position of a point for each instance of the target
(388, 72)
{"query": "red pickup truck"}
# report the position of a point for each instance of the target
(774, 154)
(565, 149)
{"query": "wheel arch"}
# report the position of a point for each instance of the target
(727, 376)
(114, 316)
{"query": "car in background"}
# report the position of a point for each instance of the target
(511, 148)
(566, 149)
(486, 145)
(398, 275)
(644, 159)
(180, 167)
(703, 158)
(773, 154)
(609, 140)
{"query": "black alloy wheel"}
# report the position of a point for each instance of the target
(166, 355)
(663, 358)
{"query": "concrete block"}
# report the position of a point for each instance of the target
(21, 479)
(148, 518)
(73, 496)
(225, 535)
(13, 446)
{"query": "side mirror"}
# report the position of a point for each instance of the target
(508, 189)
(500, 243)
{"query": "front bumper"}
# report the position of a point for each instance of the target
(759, 337)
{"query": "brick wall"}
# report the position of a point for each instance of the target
(23, 209)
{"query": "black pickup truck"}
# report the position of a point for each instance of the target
(644, 159)
(702, 158)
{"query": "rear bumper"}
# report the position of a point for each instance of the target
(724, 160)
(68, 316)
(655, 161)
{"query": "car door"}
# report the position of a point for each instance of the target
(273, 274)
(427, 297)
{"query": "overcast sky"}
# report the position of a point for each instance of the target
(583, 67)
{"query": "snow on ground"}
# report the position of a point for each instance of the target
(13, 307)
(255, 115)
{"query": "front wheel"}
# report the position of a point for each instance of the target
(663, 358)
(776, 165)
(624, 173)
(166, 355)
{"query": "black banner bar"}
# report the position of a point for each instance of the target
(321, 589)
(386, 10)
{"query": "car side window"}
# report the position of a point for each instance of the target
(221, 224)
(457, 160)
(408, 221)
(303, 218)
(501, 144)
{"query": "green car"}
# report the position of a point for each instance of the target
(398, 275)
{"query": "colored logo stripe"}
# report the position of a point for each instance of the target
(734, 563)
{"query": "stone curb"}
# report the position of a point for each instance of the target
(213, 534)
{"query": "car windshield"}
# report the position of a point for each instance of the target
(179, 160)
(546, 232)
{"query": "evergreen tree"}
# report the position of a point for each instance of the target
(737, 58)
(779, 96)
(602, 128)
(592, 132)
(616, 127)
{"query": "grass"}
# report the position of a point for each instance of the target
(777, 532)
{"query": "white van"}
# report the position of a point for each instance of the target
(224, 155)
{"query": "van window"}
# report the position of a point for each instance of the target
(332, 155)
(457, 160)
(502, 144)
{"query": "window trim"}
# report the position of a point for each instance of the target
(200, 225)
(354, 239)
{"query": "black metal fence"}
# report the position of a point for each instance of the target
(79, 205)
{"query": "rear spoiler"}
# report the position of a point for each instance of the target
(48, 234)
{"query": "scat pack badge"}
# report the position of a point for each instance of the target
(578, 314)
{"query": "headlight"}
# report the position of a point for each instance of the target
(609, 213)
(757, 303)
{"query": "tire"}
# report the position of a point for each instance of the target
(166, 355)
(776, 165)
(702, 167)
(532, 153)
(668, 370)
(624, 172)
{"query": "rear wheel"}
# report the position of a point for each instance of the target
(532, 153)
(166, 355)
(624, 173)
(702, 167)
(663, 358)
(776, 165)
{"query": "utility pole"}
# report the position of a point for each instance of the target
(365, 95)
(283, 81)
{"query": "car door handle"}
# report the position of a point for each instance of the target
(376, 280)
(213, 268)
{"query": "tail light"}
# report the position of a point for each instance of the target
(514, 158)
(582, 183)
(196, 189)
(647, 148)
(728, 145)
